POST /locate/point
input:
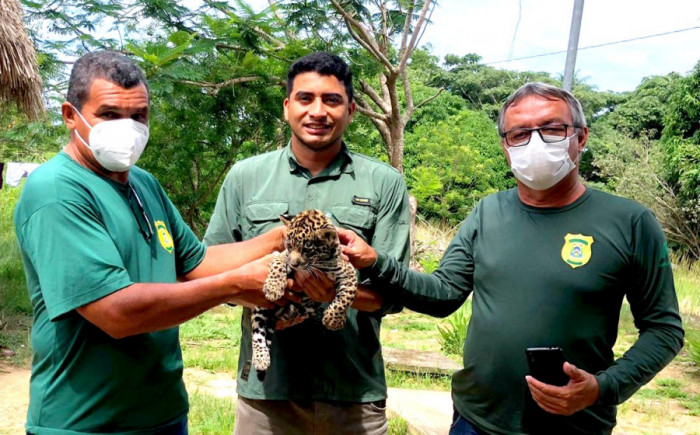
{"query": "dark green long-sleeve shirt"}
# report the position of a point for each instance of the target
(549, 277)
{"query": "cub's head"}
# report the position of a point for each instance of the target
(311, 239)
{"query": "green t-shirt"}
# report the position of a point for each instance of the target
(549, 277)
(367, 196)
(80, 238)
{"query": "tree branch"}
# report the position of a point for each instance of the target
(414, 36)
(216, 87)
(406, 27)
(370, 92)
(421, 104)
(361, 35)
(366, 109)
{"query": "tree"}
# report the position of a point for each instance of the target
(641, 112)
(375, 31)
(215, 93)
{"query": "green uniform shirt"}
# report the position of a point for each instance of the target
(549, 277)
(367, 196)
(80, 240)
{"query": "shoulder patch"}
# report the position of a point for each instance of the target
(166, 241)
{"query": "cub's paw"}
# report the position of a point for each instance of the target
(261, 360)
(333, 321)
(274, 289)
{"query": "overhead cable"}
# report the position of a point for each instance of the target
(594, 46)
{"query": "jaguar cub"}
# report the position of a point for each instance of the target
(312, 244)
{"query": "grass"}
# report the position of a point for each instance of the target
(398, 426)
(211, 341)
(210, 415)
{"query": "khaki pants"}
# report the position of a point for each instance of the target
(282, 417)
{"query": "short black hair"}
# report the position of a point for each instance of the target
(108, 65)
(325, 64)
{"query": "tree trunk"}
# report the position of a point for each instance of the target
(396, 147)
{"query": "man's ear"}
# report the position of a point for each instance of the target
(285, 106)
(69, 115)
(582, 138)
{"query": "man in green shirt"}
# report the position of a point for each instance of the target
(549, 264)
(103, 250)
(319, 381)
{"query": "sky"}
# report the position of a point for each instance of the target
(487, 28)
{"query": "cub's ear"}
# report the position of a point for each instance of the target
(329, 233)
(286, 219)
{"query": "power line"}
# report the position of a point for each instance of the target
(595, 46)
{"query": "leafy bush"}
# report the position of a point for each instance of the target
(452, 164)
(13, 287)
(453, 334)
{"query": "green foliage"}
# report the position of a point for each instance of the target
(13, 286)
(454, 333)
(454, 163)
(642, 112)
(682, 119)
(429, 262)
(398, 426)
(483, 87)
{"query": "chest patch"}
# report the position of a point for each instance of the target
(576, 250)
(164, 236)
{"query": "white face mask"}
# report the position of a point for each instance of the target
(540, 165)
(116, 144)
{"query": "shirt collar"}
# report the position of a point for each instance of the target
(342, 163)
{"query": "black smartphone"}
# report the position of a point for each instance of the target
(547, 365)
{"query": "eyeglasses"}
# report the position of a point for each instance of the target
(140, 214)
(519, 137)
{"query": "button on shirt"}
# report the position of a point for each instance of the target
(358, 193)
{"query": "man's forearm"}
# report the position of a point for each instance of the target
(149, 307)
(220, 258)
(653, 350)
(437, 294)
(367, 299)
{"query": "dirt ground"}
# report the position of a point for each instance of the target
(14, 399)
(667, 418)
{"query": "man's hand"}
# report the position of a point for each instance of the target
(280, 234)
(359, 253)
(319, 288)
(581, 392)
(252, 277)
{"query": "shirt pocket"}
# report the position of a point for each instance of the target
(360, 219)
(262, 217)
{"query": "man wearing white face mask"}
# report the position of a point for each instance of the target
(103, 250)
(549, 264)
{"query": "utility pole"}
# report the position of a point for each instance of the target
(573, 46)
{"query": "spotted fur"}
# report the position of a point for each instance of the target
(312, 244)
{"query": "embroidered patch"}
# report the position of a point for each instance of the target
(164, 236)
(361, 201)
(576, 250)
